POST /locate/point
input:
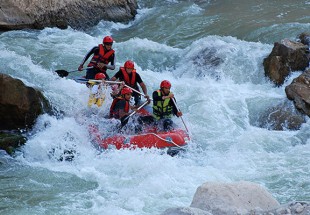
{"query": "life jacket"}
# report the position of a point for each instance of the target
(162, 109)
(113, 113)
(131, 82)
(101, 57)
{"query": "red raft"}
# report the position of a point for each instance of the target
(173, 141)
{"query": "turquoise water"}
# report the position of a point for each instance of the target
(167, 40)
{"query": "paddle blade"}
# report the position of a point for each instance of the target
(124, 121)
(62, 73)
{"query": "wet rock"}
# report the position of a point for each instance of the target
(10, 141)
(305, 38)
(281, 117)
(37, 14)
(285, 57)
(207, 59)
(19, 105)
(299, 92)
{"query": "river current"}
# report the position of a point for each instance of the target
(220, 101)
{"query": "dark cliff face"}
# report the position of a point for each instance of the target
(78, 14)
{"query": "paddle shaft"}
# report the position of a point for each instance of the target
(64, 73)
(80, 70)
(118, 82)
(180, 116)
(141, 106)
(111, 82)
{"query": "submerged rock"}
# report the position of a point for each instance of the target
(10, 141)
(205, 60)
(283, 116)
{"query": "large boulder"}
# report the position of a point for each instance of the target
(37, 14)
(285, 57)
(19, 105)
(232, 198)
(299, 92)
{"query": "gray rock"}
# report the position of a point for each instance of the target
(232, 198)
(292, 208)
(185, 211)
(37, 14)
(240, 198)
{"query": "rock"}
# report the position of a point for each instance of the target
(276, 69)
(281, 117)
(240, 198)
(232, 198)
(285, 57)
(19, 105)
(298, 208)
(207, 59)
(299, 92)
(305, 38)
(37, 14)
(292, 208)
(185, 211)
(10, 141)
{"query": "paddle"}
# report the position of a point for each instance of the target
(124, 121)
(63, 73)
(85, 80)
(174, 102)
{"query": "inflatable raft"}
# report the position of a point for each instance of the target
(173, 141)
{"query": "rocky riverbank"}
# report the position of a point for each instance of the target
(37, 14)
(239, 198)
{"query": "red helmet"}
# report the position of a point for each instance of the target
(126, 90)
(100, 76)
(165, 84)
(129, 64)
(107, 39)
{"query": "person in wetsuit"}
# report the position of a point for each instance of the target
(129, 75)
(120, 106)
(103, 54)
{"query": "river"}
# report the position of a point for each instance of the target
(220, 102)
